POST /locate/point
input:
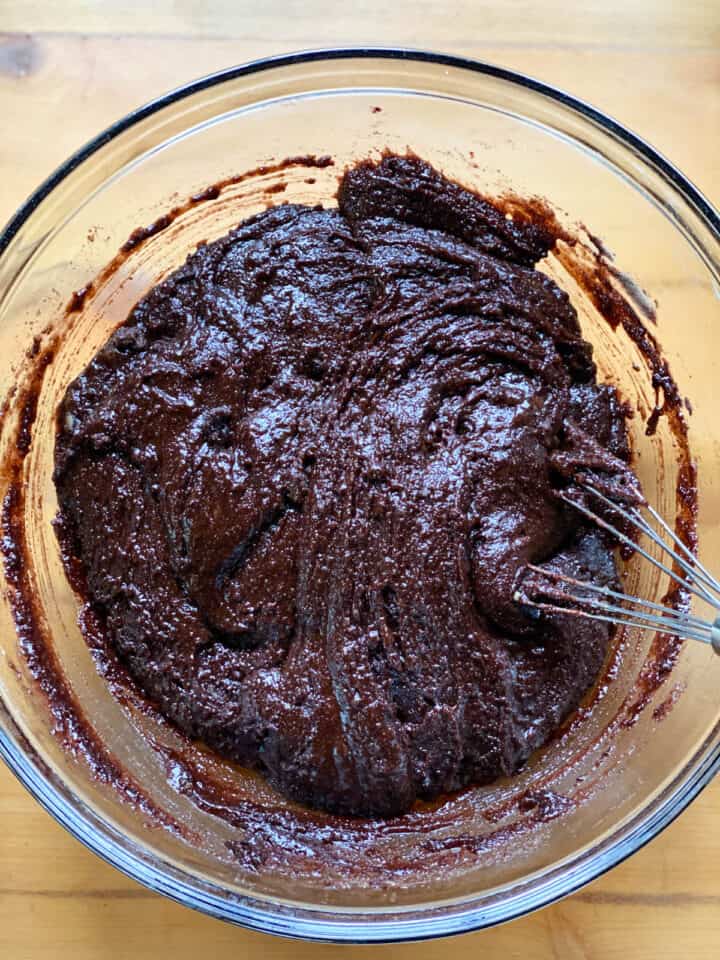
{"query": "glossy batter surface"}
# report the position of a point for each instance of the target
(305, 474)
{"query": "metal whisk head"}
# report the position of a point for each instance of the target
(570, 596)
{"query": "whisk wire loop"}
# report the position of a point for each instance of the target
(570, 596)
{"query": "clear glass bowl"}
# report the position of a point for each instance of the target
(496, 131)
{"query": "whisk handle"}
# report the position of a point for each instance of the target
(715, 635)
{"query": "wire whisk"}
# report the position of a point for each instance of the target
(568, 595)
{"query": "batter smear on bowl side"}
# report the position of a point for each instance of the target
(305, 474)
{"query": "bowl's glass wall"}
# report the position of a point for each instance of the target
(495, 136)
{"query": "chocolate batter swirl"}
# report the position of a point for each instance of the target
(303, 476)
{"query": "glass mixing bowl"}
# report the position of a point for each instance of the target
(639, 763)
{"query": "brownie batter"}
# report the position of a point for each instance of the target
(304, 477)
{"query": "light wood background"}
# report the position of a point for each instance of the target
(69, 68)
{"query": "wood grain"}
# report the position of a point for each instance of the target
(67, 70)
(554, 23)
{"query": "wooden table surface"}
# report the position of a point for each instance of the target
(70, 67)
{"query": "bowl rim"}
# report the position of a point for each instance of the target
(687, 188)
(329, 925)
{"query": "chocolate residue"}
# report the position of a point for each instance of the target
(211, 193)
(29, 402)
(142, 234)
(549, 805)
(595, 274)
(664, 708)
(77, 301)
